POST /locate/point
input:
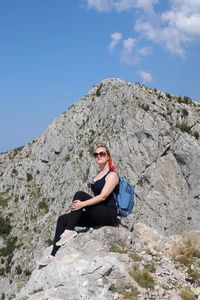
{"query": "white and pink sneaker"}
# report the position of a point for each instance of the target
(66, 236)
(46, 260)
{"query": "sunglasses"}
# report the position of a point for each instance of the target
(99, 154)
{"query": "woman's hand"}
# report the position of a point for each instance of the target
(76, 205)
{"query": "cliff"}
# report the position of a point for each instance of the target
(154, 140)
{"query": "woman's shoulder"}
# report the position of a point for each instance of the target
(112, 174)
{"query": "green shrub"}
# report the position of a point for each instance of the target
(5, 226)
(67, 158)
(142, 180)
(184, 127)
(2, 260)
(9, 258)
(3, 202)
(26, 228)
(117, 249)
(135, 256)
(98, 90)
(10, 247)
(8, 268)
(187, 294)
(186, 253)
(185, 113)
(145, 107)
(186, 100)
(48, 242)
(15, 151)
(150, 266)
(128, 291)
(29, 177)
(2, 271)
(169, 96)
(42, 205)
(195, 275)
(169, 111)
(80, 154)
(143, 278)
(16, 199)
(14, 172)
(179, 99)
(195, 134)
(18, 270)
(27, 272)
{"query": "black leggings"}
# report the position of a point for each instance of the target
(94, 215)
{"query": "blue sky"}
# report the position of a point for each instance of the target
(53, 52)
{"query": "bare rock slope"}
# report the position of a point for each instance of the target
(154, 140)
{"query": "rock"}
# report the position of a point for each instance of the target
(146, 238)
(175, 297)
(153, 141)
(76, 274)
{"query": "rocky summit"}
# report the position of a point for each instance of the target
(154, 253)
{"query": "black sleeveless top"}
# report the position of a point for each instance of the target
(97, 187)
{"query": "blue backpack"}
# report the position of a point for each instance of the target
(124, 197)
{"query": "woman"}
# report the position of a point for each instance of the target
(86, 211)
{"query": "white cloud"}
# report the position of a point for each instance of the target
(186, 22)
(187, 6)
(123, 5)
(168, 37)
(173, 40)
(116, 38)
(146, 76)
(127, 56)
(129, 44)
(100, 5)
(129, 53)
(173, 26)
(108, 5)
(189, 25)
(147, 5)
(145, 51)
(148, 29)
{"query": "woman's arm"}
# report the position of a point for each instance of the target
(112, 180)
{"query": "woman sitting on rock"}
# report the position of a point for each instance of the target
(87, 210)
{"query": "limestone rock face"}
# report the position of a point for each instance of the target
(83, 269)
(154, 140)
(99, 264)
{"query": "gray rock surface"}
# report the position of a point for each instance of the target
(98, 264)
(154, 140)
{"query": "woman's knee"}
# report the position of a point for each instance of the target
(78, 195)
(82, 196)
(61, 219)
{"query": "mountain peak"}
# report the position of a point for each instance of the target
(154, 140)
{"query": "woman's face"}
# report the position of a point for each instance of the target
(100, 155)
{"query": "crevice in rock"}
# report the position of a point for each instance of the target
(108, 272)
(154, 210)
(93, 271)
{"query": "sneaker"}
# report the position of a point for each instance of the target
(46, 260)
(66, 236)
